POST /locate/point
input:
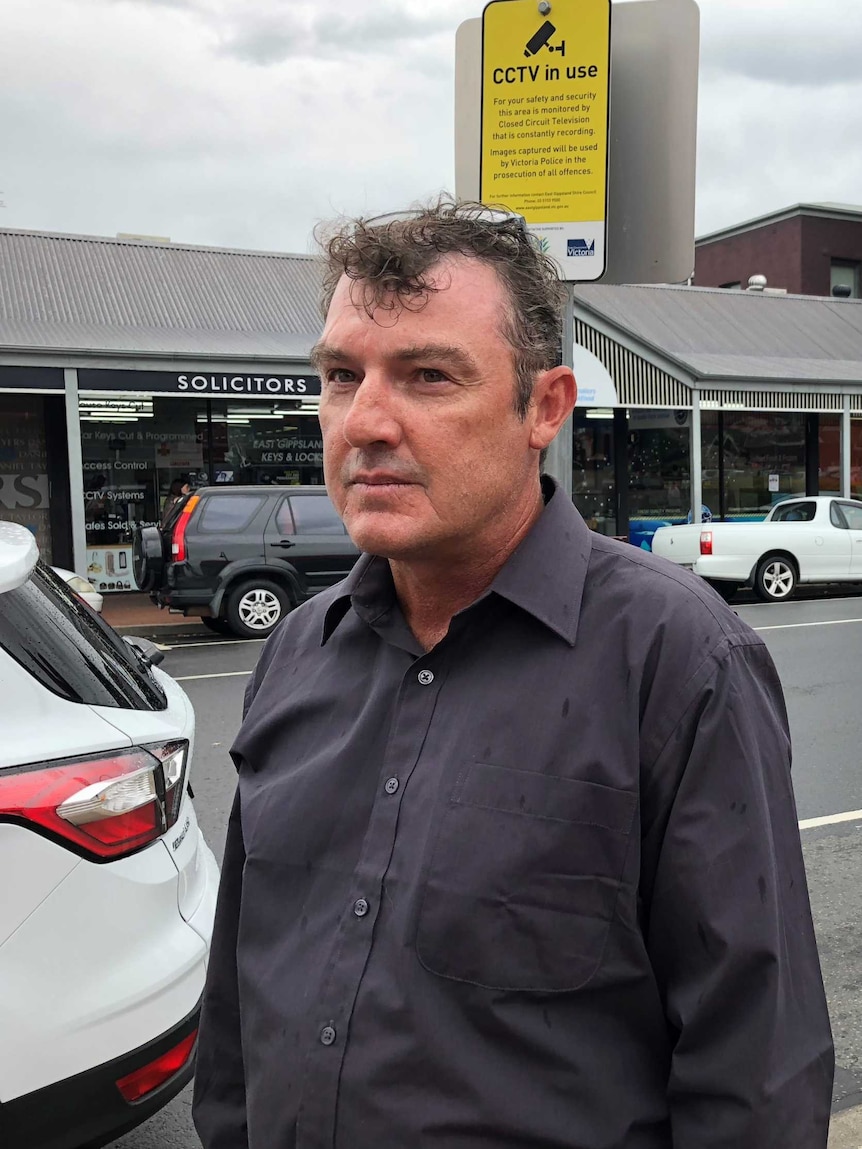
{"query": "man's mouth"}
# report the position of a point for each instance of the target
(379, 479)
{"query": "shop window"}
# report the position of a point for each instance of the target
(830, 455)
(139, 448)
(751, 460)
(659, 461)
(829, 434)
(133, 449)
(24, 487)
(593, 488)
(844, 279)
(258, 443)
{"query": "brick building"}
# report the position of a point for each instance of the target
(809, 249)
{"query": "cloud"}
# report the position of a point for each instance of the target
(272, 37)
(243, 122)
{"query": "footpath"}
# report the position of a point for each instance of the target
(845, 1129)
(136, 614)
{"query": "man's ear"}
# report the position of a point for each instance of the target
(554, 395)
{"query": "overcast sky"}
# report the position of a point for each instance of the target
(242, 123)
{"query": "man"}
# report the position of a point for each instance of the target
(514, 858)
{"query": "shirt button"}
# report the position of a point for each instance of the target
(426, 677)
(327, 1035)
(392, 785)
(360, 908)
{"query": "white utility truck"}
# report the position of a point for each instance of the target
(816, 539)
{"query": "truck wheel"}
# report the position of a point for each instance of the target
(775, 580)
(255, 608)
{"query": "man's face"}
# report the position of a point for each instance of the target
(423, 451)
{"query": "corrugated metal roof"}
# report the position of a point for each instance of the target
(84, 292)
(738, 335)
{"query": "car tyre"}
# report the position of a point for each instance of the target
(255, 608)
(775, 579)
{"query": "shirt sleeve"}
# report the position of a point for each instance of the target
(728, 922)
(219, 1109)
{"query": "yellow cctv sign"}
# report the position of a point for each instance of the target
(544, 153)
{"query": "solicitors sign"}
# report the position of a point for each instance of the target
(203, 383)
(544, 149)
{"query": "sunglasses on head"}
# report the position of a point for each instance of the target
(494, 217)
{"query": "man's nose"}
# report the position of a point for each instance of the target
(372, 416)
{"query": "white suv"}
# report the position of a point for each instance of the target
(107, 890)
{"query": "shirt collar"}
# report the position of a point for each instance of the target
(545, 576)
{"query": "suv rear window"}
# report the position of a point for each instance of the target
(228, 512)
(70, 650)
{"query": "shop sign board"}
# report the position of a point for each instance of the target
(31, 379)
(203, 383)
(544, 124)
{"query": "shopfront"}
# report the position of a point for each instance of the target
(144, 434)
(632, 467)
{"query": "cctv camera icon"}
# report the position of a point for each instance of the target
(541, 38)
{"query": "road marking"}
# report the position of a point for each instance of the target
(798, 625)
(223, 674)
(212, 642)
(831, 820)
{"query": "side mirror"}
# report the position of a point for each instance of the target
(146, 650)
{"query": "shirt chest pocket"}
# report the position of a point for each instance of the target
(523, 879)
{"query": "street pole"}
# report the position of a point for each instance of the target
(559, 461)
(696, 454)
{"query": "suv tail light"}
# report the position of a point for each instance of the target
(178, 538)
(103, 806)
(706, 542)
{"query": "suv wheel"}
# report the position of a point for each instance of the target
(256, 608)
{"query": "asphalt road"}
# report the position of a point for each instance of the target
(816, 644)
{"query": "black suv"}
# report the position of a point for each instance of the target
(242, 557)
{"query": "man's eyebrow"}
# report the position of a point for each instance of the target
(438, 352)
(326, 353)
(323, 353)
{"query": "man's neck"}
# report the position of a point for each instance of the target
(432, 591)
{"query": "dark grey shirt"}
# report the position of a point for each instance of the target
(540, 887)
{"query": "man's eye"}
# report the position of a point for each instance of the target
(432, 375)
(340, 375)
